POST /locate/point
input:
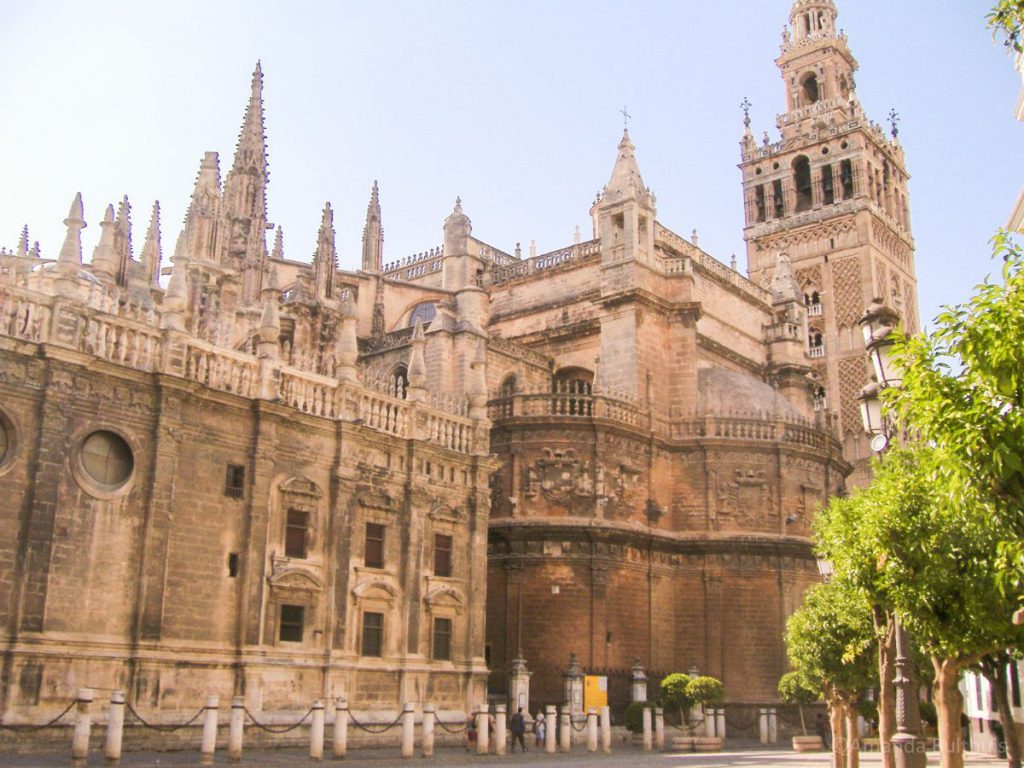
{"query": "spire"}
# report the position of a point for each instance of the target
(373, 234)
(70, 259)
(122, 241)
(151, 253)
(104, 262)
(203, 211)
(23, 242)
(278, 253)
(784, 286)
(245, 187)
(626, 181)
(325, 262)
(813, 19)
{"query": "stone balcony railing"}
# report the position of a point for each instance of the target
(538, 263)
(122, 336)
(753, 426)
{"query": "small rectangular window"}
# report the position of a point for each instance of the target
(442, 639)
(759, 201)
(374, 549)
(234, 481)
(373, 634)
(290, 626)
(233, 564)
(442, 555)
(295, 534)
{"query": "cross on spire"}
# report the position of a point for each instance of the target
(625, 118)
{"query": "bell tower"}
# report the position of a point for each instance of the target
(830, 192)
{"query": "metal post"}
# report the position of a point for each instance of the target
(209, 743)
(428, 730)
(316, 731)
(83, 724)
(115, 728)
(408, 730)
(907, 744)
(236, 727)
(648, 742)
(340, 733)
(659, 729)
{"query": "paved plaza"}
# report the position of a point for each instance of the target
(626, 758)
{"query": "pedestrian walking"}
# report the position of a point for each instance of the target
(518, 728)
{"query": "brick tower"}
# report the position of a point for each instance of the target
(831, 193)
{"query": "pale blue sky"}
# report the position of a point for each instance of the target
(513, 106)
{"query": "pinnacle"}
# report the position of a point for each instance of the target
(76, 213)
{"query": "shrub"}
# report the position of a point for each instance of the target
(635, 715)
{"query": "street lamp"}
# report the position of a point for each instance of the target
(877, 324)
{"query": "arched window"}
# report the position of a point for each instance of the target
(424, 312)
(820, 399)
(571, 389)
(828, 188)
(809, 89)
(802, 183)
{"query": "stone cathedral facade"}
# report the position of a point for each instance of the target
(286, 481)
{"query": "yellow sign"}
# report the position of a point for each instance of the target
(595, 692)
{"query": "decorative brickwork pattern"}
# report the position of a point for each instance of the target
(846, 280)
(852, 378)
(881, 280)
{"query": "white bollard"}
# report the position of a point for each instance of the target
(591, 730)
(428, 730)
(115, 728)
(209, 743)
(565, 731)
(408, 730)
(340, 743)
(773, 726)
(499, 729)
(606, 730)
(236, 726)
(720, 723)
(316, 731)
(648, 736)
(550, 728)
(659, 729)
(483, 743)
(709, 722)
(762, 724)
(83, 724)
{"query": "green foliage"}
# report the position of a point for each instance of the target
(963, 392)
(705, 690)
(830, 638)
(868, 709)
(635, 715)
(674, 691)
(794, 688)
(1006, 20)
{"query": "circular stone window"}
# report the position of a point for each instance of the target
(107, 460)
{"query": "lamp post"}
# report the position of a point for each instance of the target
(877, 323)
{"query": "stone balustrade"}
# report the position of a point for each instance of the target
(121, 335)
(542, 262)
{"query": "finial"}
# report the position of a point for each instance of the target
(732, 263)
(625, 118)
(894, 123)
(151, 250)
(693, 238)
(458, 204)
(745, 105)
(278, 252)
(23, 242)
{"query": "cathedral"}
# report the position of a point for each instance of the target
(287, 481)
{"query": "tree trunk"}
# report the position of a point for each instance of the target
(885, 624)
(993, 667)
(852, 738)
(803, 725)
(835, 718)
(949, 705)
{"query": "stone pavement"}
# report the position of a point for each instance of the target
(385, 758)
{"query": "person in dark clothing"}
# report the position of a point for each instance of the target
(518, 728)
(825, 731)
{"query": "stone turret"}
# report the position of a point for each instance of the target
(347, 344)
(151, 253)
(624, 211)
(269, 345)
(459, 266)
(202, 220)
(69, 261)
(789, 368)
(417, 368)
(123, 241)
(104, 260)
